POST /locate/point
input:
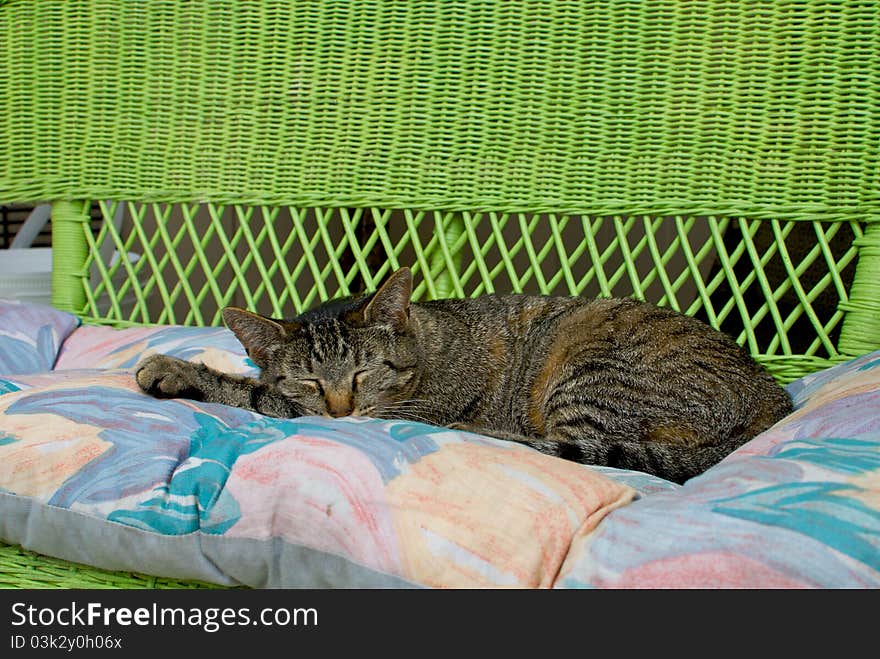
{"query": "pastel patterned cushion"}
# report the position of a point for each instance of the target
(106, 347)
(93, 470)
(31, 335)
(798, 506)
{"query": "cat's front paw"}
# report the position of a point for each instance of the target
(169, 377)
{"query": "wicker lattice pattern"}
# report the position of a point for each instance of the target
(747, 277)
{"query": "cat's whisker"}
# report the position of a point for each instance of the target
(411, 410)
(413, 403)
(417, 410)
(406, 412)
(409, 417)
(411, 400)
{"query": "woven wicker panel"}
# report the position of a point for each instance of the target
(776, 286)
(599, 106)
(20, 568)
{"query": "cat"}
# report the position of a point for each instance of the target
(605, 381)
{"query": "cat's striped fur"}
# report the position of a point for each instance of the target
(599, 381)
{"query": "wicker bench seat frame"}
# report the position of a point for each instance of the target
(718, 157)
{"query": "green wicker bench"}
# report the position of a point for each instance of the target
(717, 157)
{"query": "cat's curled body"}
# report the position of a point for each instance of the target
(600, 381)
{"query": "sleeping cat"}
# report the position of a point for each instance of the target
(600, 381)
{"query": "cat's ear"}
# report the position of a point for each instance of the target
(390, 304)
(258, 334)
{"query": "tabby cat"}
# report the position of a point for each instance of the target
(600, 381)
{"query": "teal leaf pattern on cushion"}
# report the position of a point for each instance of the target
(849, 456)
(171, 459)
(874, 363)
(195, 498)
(150, 438)
(821, 510)
(7, 387)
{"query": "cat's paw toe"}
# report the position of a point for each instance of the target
(167, 377)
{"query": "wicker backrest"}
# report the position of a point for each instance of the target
(718, 156)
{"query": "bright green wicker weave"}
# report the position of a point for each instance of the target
(719, 157)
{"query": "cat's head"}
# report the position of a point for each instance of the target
(354, 356)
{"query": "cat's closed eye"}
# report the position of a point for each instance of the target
(399, 367)
(313, 384)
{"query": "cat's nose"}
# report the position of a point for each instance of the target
(338, 404)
